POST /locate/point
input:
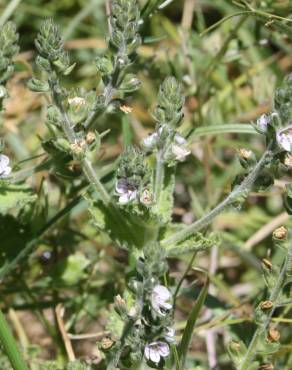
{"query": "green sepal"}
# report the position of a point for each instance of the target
(37, 85)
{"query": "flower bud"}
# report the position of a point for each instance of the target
(246, 157)
(106, 343)
(266, 305)
(90, 138)
(104, 65)
(78, 149)
(37, 85)
(280, 233)
(130, 83)
(273, 335)
(267, 263)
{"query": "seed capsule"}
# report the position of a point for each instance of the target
(273, 335)
(267, 263)
(280, 233)
(266, 305)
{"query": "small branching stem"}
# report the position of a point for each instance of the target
(244, 188)
(262, 328)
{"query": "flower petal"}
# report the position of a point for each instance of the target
(154, 355)
(4, 162)
(163, 349)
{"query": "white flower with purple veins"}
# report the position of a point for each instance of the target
(160, 298)
(263, 122)
(126, 191)
(155, 351)
(284, 138)
(5, 169)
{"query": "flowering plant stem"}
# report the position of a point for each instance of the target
(10, 345)
(86, 164)
(274, 297)
(241, 190)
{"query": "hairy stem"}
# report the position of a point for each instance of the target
(244, 188)
(159, 177)
(274, 297)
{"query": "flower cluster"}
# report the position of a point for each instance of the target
(156, 351)
(9, 48)
(177, 148)
(131, 183)
(278, 124)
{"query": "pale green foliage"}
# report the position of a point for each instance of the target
(15, 197)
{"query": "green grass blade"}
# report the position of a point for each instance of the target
(10, 345)
(187, 334)
(236, 128)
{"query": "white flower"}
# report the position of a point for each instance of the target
(126, 191)
(284, 138)
(179, 139)
(5, 170)
(156, 350)
(77, 102)
(160, 298)
(179, 152)
(263, 122)
(150, 141)
(169, 335)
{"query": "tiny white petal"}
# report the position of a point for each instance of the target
(179, 152)
(122, 186)
(284, 138)
(263, 122)
(150, 141)
(124, 199)
(154, 355)
(6, 172)
(5, 169)
(179, 139)
(4, 161)
(163, 349)
(147, 352)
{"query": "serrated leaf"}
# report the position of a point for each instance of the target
(116, 223)
(15, 197)
(197, 242)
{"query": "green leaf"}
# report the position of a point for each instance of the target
(236, 128)
(73, 268)
(187, 334)
(196, 242)
(15, 197)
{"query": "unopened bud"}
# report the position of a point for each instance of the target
(273, 335)
(266, 305)
(90, 138)
(106, 343)
(78, 149)
(77, 102)
(267, 263)
(280, 233)
(246, 157)
(245, 153)
(126, 109)
(146, 197)
(288, 160)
